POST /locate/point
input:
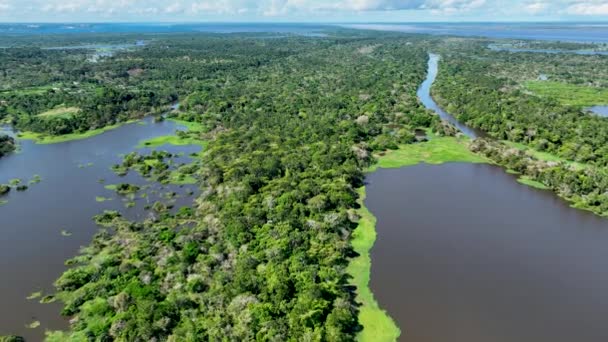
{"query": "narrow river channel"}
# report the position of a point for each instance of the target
(466, 254)
(32, 247)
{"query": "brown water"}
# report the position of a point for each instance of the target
(467, 254)
(32, 248)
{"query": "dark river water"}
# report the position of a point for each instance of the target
(32, 248)
(466, 254)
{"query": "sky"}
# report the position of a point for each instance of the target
(301, 10)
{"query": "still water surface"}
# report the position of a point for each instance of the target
(466, 254)
(599, 110)
(32, 248)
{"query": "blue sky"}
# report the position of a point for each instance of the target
(301, 10)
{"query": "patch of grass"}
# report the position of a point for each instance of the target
(437, 150)
(111, 187)
(102, 199)
(569, 94)
(191, 126)
(42, 139)
(530, 182)
(60, 112)
(378, 326)
(170, 140)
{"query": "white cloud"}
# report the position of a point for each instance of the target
(149, 10)
(264, 7)
(454, 6)
(4, 6)
(537, 7)
(588, 8)
(173, 8)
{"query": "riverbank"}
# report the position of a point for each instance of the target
(84, 165)
(43, 139)
(175, 139)
(377, 324)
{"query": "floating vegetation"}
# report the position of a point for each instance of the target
(125, 188)
(35, 180)
(111, 187)
(107, 217)
(4, 189)
(158, 166)
(33, 325)
(66, 233)
(14, 181)
(48, 299)
(34, 295)
(21, 188)
(102, 199)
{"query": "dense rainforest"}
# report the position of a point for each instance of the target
(291, 124)
(489, 90)
(535, 102)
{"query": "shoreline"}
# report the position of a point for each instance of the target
(43, 139)
(377, 323)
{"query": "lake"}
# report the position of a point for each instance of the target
(599, 110)
(466, 254)
(32, 248)
(505, 47)
(570, 32)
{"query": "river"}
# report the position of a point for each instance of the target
(465, 253)
(424, 94)
(32, 248)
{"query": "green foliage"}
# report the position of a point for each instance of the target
(586, 188)
(486, 91)
(569, 94)
(291, 125)
(378, 326)
(7, 145)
